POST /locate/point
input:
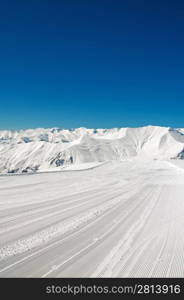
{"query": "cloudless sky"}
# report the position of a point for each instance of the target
(91, 63)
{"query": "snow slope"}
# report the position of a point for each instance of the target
(121, 219)
(116, 211)
(47, 149)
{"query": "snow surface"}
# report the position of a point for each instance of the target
(115, 210)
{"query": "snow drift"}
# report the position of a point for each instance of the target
(47, 149)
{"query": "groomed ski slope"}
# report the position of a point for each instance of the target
(120, 219)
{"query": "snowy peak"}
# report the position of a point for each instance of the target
(42, 149)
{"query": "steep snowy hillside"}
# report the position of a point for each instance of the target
(43, 149)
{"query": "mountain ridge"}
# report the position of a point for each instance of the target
(41, 149)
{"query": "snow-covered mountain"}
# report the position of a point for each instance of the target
(42, 149)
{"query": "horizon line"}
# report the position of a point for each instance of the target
(84, 127)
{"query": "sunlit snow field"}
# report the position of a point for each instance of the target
(116, 219)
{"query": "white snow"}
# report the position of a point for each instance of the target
(37, 150)
(112, 207)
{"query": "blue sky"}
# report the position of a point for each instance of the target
(91, 63)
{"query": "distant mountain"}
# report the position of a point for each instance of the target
(42, 149)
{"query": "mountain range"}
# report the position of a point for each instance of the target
(40, 149)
